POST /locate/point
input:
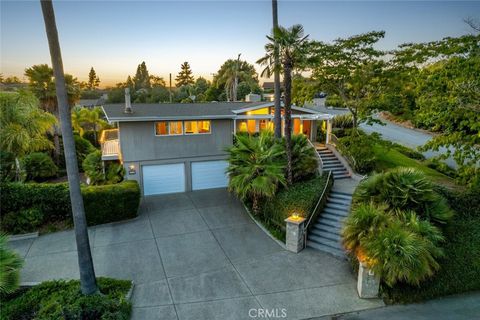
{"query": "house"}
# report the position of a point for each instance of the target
(178, 147)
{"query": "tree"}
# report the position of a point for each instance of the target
(185, 76)
(156, 81)
(87, 273)
(93, 80)
(292, 50)
(255, 167)
(352, 69)
(86, 118)
(142, 78)
(277, 117)
(231, 73)
(23, 126)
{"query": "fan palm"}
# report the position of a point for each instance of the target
(405, 189)
(255, 167)
(10, 264)
(291, 45)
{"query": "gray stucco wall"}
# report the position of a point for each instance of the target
(139, 143)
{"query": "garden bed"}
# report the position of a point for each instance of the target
(300, 198)
(60, 299)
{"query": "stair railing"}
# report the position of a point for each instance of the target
(316, 152)
(316, 211)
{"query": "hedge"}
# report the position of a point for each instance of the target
(60, 299)
(103, 204)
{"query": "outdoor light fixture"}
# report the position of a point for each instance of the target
(295, 216)
(131, 169)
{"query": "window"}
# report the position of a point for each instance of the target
(165, 128)
(197, 127)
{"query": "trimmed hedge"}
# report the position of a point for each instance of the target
(103, 204)
(61, 299)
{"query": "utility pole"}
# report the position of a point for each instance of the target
(170, 88)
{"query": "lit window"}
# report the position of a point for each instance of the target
(197, 127)
(161, 128)
(175, 127)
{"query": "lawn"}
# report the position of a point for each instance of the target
(388, 158)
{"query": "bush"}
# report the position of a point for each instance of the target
(300, 198)
(343, 121)
(357, 148)
(92, 137)
(405, 189)
(83, 147)
(7, 166)
(10, 264)
(408, 152)
(304, 158)
(38, 167)
(61, 299)
(103, 204)
(23, 221)
(94, 169)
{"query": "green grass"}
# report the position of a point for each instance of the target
(391, 158)
(63, 300)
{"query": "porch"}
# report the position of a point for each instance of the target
(110, 145)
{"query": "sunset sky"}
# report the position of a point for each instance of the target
(115, 36)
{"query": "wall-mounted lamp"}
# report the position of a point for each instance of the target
(131, 169)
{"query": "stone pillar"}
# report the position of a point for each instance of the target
(368, 283)
(295, 240)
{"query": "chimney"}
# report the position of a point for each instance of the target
(128, 104)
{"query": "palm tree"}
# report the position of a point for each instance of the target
(233, 71)
(10, 264)
(292, 50)
(88, 281)
(85, 117)
(277, 117)
(255, 167)
(23, 126)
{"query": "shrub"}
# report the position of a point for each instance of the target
(92, 137)
(23, 221)
(61, 299)
(335, 101)
(304, 158)
(83, 147)
(405, 189)
(408, 152)
(343, 121)
(358, 150)
(100, 173)
(38, 167)
(300, 198)
(10, 264)
(7, 166)
(103, 204)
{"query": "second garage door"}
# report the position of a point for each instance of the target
(209, 174)
(162, 179)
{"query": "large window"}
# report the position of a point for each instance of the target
(197, 127)
(168, 128)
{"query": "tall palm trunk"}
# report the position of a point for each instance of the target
(87, 273)
(287, 84)
(277, 117)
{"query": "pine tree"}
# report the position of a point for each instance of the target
(142, 78)
(185, 76)
(93, 80)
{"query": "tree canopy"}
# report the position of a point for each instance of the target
(93, 80)
(185, 76)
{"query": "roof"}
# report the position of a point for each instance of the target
(166, 111)
(186, 111)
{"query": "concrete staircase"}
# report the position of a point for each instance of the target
(332, 163)
(325, 233)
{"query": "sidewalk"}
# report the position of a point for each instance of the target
(459, 307)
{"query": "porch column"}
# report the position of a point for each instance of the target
(234, 126)
(329, 131)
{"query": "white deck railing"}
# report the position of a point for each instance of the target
(110, 148)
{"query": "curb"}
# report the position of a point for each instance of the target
(24, 236)
(281, 244)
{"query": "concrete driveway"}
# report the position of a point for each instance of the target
(198, 256)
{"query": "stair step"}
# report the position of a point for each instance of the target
(342, 193)
(345, 202)
(324, 228)
(340, 213)
(343, 176)
(333, 166)
(325, 234)
(330, 223)
(326, 242)
(339, 171)
(331, 216)
(338, 207)
(337, 253)
(338, 195)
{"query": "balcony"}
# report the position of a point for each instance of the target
(110, 145)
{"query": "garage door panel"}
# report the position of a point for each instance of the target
(209, 174)
(163, 179)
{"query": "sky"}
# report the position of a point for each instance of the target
(115, 36)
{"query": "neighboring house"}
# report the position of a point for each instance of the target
(178, 147)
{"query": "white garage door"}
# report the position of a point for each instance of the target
(162, 179)
(209, 174)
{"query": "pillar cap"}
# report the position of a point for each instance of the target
(295, 220)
